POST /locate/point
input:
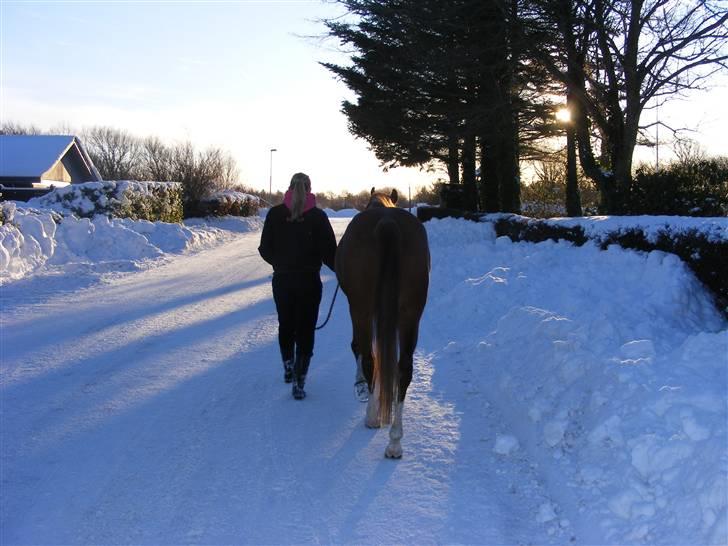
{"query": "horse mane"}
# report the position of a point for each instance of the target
(380, 199)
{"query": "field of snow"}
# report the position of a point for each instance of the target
(562, 395)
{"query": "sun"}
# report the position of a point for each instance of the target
(563, 115)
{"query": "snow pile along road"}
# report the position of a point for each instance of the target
(608, 370)
(31, 238)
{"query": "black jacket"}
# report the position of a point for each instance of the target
(297, 246)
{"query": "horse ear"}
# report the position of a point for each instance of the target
(372, 190)
(394, 196)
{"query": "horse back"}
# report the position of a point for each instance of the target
(357, 256)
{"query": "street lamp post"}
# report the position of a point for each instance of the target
(270, 178)
(657, 137)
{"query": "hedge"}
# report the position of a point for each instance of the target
(153, 201)
(227, 203)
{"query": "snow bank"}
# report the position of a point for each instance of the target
(27, 239)
(598, 227)
(46, 232)
(33, 238)
(613, 384)
(342, 213)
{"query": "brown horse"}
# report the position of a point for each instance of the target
(383, 267)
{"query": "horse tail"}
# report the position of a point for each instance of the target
(386, 372)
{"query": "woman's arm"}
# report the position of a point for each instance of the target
(327, 243)
(266, 240)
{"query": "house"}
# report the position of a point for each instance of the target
(31, 165)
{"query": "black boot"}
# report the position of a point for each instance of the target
(300, 369)
(288, 370)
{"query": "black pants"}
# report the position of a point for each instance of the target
(297, 297)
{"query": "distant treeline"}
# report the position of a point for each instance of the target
(692, 185)
(429, 195)
(119, 155)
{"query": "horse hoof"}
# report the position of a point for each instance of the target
(372, 424)
(393, 452)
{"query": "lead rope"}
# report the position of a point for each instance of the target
(331, 308)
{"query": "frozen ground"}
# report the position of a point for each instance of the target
(562, 396)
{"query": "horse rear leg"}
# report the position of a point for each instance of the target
(407, 343)
(361, 346)
(361, 386)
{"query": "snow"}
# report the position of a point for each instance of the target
(562, 395)
(505, 444)
(341, 213)
(596, 227)
(31, 239)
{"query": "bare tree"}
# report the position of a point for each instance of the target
(184, 169)
(689, 152)
(156, 159)
(616, 57)
(218, 168)
(115, 153)
(230, 174)
(63, 128)
(14, 128)
(201, 173)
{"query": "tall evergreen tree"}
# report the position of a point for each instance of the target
(438, 81)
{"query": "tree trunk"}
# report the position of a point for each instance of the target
(468, 161)
(509, 180)
(573, 199)
(453, 161)
(511, 171)
(489, 187)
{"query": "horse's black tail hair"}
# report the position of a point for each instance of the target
(386, 316)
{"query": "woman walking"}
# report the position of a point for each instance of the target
(297, 238)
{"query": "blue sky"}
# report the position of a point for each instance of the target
(238, 75)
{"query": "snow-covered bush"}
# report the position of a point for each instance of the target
(704, 247)
(153, 201)
(225, 203)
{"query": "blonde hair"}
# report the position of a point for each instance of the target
(300, 186)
